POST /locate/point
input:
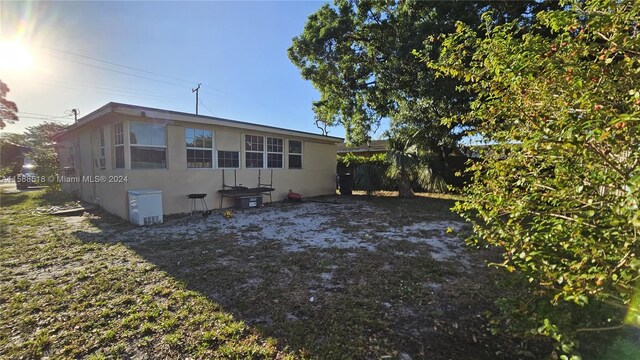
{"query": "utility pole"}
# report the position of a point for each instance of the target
(196, 91)
(75, 114)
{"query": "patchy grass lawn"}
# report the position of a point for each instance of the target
(62, 297)
(333, 278)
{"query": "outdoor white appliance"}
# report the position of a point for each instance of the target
(145, 206)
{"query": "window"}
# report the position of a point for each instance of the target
(275, 153)
(118, 132)
(295, 154)
(199, 148)
(228, 159)
(148, 146)
(71, 160)
(254, 151)
(101, 142)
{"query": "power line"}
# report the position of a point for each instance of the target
(219, 92)
(206, 107)
(84, 88)
(138, 93)
(126, 67)
(116, 64)
(119, 72)
(58, 121)
(57, 82)
(45, 115)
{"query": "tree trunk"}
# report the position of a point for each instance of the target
(404, 185)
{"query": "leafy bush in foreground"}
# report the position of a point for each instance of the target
(559, 190)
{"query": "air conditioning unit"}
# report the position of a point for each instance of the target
(145, 207)
(100, 163)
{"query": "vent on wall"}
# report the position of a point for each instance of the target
(150, 220)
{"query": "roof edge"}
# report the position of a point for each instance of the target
(115, 107)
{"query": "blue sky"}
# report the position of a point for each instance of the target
(237, 50)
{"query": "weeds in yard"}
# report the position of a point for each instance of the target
(62, 297)
(69, 291)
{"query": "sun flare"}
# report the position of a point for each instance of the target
(15, 56)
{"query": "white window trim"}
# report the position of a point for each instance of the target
(234, 151)
(131, 146)
(263, 152)
(116, 145)
(212, 149)
(300, 154)
(267, 152)
(102, 148)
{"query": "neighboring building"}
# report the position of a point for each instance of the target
(180, 153)
(368, 149)
(13, 156)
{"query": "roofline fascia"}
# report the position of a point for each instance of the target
(133, 110)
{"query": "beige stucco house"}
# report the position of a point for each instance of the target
(122, 147)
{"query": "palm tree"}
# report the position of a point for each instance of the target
(409, 166)
(402, 157)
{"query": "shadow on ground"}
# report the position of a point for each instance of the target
(6, 201)
(374, 289)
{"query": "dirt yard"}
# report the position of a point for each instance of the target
(335, 277)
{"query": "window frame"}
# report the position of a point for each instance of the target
(300, 154)
(147, 146)
(102, 152)
(197, 148)
(247, 152)
(227, 151)
(118, 144)
(267, 152)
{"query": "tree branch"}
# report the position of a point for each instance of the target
(617, 327)
(606, 159)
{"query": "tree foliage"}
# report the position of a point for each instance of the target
(36, 142)
(409, 166)
(559, 189)
(47, 167)
(358, 54)
(368, 171)
(40, 138)
(41, 135)
(8, 109)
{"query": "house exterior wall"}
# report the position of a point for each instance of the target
(317, 176)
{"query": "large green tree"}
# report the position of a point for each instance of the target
(40, 138)
(359, 55)
(36, 143)
(41, 135)
(35, 136)
(8, 109)
(560, 188)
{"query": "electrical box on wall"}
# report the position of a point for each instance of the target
(145, 206)
(245, 202)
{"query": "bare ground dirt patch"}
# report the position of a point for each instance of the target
(337, 277)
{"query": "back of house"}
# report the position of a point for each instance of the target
(121, 147)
